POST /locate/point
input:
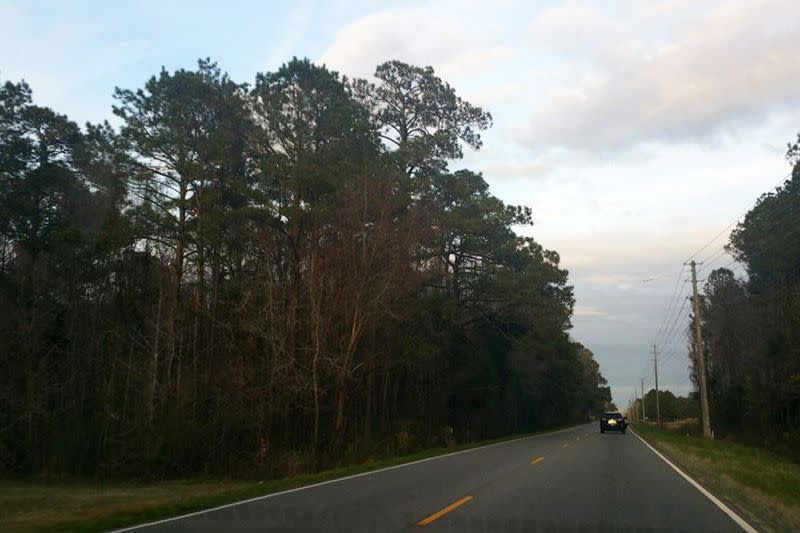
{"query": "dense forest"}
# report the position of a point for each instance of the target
(751, 333)
(274, 277)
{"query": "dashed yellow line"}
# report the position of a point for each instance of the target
(439, 514)
(537, 460)
(565, 445)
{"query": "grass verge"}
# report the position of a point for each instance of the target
(98, 506)
(762, 487)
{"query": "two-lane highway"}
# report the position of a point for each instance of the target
(571, 480)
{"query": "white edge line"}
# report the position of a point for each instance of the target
(304, 487)
(716, 501)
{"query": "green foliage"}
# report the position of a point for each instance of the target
(670, 406)
(421, 116)
(246, 279)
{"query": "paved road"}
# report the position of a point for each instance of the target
(573, 480)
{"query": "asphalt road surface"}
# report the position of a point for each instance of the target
(572, 480)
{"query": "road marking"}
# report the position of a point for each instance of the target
(727, 510)
(337, 480)
(565, 445)
(537, 460)
(577, 438)
(438, 514)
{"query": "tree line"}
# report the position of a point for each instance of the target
(751, 324)
(273, 277)
(669, 406)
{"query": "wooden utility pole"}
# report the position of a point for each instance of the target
(658, 403)
(644, 413)
(632, 411)
(700, 357)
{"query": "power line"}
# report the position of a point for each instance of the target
(716, 257)
(739, 265)
(668, 332)
(676, 348)
(677, 345)
(729, 226)
(705, 413)
(717, 236)
(763, 239)
(674, 331)
(672, 301)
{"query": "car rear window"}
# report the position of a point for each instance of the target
(613, 415)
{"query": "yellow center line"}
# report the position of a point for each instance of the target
(578, 438)
(439, 514)
(537, 460)
(565, 445)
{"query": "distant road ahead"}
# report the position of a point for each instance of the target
(572, 480)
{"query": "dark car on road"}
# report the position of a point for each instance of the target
(613, 422)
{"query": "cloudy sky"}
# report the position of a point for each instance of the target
(637, 131)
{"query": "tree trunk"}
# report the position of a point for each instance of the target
(151, 393)
(344, 376)
(315, 325)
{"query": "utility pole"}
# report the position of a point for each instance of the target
(644, 413)
(700, 357)
(658, 403)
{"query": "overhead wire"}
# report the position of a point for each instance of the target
(667, 336)
(723, 251)
(712, 259)
(672, 303)
(676, 349)
(668, 341)
(736, 221)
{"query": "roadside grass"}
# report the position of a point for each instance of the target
(763, 487)
(83, 506)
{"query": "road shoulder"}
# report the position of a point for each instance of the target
(761, 488)
(27, 505)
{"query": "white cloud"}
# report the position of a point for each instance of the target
(497, 94)
(602, 77)
(474, 59)
(415, 35)
(577, 29)
(516, 170)
(296, 24)
(735, 65)
(603, 279)
(587, 311)
(371, 39)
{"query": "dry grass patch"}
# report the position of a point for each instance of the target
(26, 506)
